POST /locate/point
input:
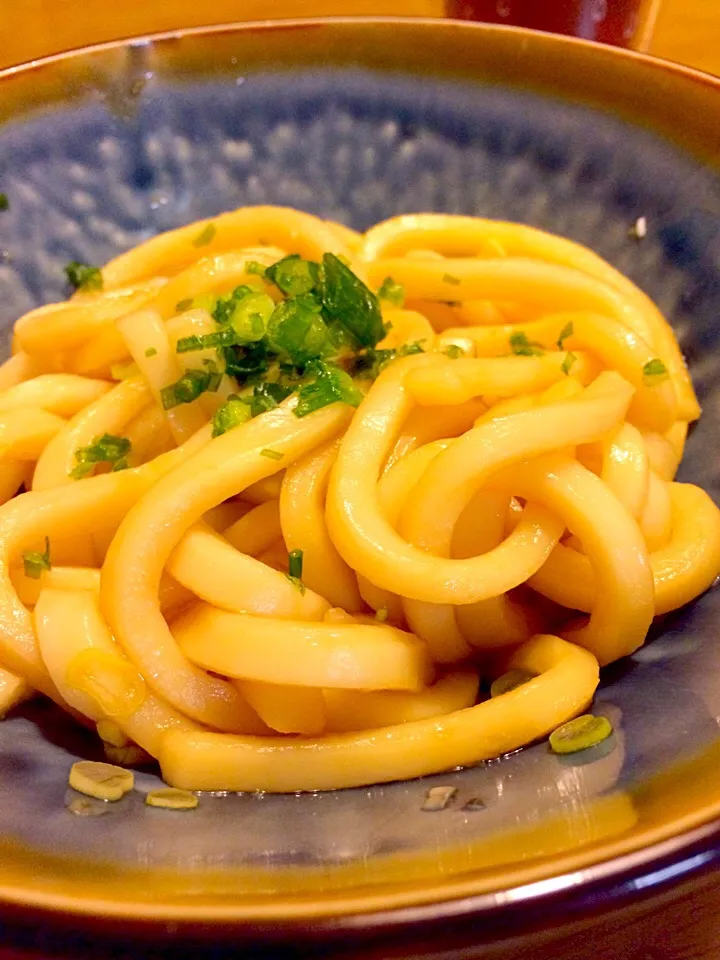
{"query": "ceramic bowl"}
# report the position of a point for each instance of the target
(358, 121)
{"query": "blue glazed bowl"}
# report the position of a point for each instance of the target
(358, 121)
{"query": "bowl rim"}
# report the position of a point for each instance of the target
(290, 23)
(670, 856)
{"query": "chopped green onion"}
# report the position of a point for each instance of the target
(567, 364)
(194, 342)
(266, 396)
(105, 449)
(392, 292)
(82, 276)
(330, 385)
(35, 562)
(214, 376)
(297, 332)
(190, 386)
(295, 564)
(449, 278)
(223, 307)
(82, 470)
(454, 351)
(437, 798)
(219, 338)
(381, 614)
(372, 362)
(654, 372)
(567, 331)
(205, 236)
(151, 352)
(247, 363)
(510, 681)
(408, 349)
(580, 734)
(271, 454)
(341, 341)
(170, 798)
(347, 300)
(253, 267)
(4, 202)
(297, 583)
(293, 275)
(250, 316)
(233, 413)
(522, 347)
(182, 305)
(102, 780)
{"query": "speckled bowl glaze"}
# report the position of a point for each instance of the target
(358, 121)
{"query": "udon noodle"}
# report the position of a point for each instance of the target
(279, 532)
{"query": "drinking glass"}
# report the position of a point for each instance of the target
(624, 23)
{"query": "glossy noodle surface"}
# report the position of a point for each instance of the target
(280, 500)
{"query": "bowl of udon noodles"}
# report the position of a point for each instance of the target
(357, 476)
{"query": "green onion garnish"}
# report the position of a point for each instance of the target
(271, 454)
(151, 352)
(105, 449)
(371, 362)
(438, 798)
(248, 363)
(219, 338)
(4, 202)
(205, 236)
(35, 562)
(266, 396)
(224, 306)
(654, 372)
(449, 278)
(568, 362)
(191, 385)
(295, 564)
(182, 305)
(297, 332)
(253, 267)
(82, 276)
(330, 385)
(510, 681)
(233, 413)
(454, 351)
(580, 734)
(392, 292)
(297, 583)
(293, 275)
(250, 316)
(567, 331)
(522, 347)
(346, 299)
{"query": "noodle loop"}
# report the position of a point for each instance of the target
(286, 485)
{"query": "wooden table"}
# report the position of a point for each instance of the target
(687, 30)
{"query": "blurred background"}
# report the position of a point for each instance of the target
(687, 31)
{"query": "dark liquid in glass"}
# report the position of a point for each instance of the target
(607, 21)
